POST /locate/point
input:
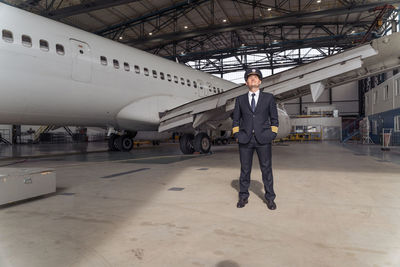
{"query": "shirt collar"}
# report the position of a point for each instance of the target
(257, 93)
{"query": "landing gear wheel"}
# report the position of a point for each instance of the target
(156, 143)
(111, 142)
(186, 143)
(124, 143)
(202, 143)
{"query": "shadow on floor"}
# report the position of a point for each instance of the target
(255, 186)
(227, 263)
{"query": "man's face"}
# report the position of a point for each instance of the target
(253, 82)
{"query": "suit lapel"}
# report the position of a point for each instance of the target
(260, 96)
(246, 98)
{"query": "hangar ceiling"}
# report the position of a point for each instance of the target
(218, 36)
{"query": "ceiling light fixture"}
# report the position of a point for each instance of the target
(224, 20)
(185, 27)
(121, 37)
(150, 33)
(318, 1)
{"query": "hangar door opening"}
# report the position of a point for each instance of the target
(81, 61)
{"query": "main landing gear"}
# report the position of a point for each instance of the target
(200, 143)
(120, 142)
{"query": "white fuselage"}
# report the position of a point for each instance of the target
(45, 87)
(54, 74)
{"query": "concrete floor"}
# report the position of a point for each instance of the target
(335, 208)
(40, 150)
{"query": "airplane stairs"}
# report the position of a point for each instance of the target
(351, 130)
(5, 141)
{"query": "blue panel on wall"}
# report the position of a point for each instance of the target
(384, 120)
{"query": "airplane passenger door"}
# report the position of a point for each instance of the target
(81, 61)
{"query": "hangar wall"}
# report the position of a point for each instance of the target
(344, 98)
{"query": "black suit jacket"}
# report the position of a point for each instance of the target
(261, 121)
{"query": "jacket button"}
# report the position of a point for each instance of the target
(254, 116)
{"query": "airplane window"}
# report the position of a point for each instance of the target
(60, 49)
(116, 63)
(175, 79)
(26, 41)
(169, 77)
(188, 82)
(8, 36)
(146, 71)
(215, 90)
(44, 45)
(194, 84)
(182, 81)
(137, 69)
(209, 86)
(154, 74)
(126, 66)
(103, 60)
(162, 76)
(218, 90)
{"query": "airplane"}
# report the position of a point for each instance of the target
(55, 74)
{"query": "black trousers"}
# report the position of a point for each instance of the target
(246, 160)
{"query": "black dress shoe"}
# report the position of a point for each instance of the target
(241, 203)
(271, 205)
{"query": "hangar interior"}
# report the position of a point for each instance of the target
(226, 37)
(337, 173)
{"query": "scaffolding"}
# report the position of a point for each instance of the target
(364, 128)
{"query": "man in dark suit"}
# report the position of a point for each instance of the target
(255, 125)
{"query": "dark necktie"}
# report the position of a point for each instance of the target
(253, 102)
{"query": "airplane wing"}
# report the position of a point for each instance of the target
(378, 56)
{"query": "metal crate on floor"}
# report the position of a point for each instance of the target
(23, 183)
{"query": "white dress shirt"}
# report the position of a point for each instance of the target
(255, 97)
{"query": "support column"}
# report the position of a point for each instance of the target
(301, 105)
